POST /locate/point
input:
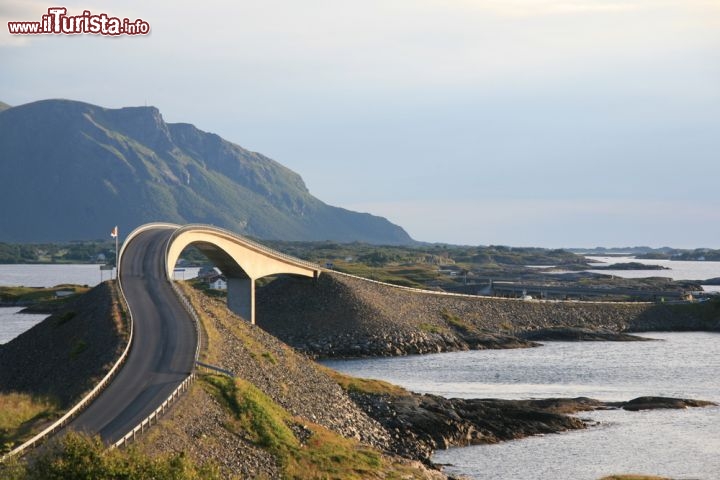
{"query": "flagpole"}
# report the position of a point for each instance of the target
(117, 260)
(114, 234)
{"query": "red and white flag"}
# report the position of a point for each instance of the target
(114, 232)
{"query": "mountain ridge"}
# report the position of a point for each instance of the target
(72, 170)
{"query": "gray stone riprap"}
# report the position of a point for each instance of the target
(65, 355)
(338, 315)
(194, 427)
(291, 381)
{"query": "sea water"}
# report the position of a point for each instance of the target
(13, 323)
(681, 444)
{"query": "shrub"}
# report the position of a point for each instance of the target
(81, 457)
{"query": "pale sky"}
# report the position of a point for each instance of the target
(553, 123)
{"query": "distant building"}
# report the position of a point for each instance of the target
(217, 282)
(452, 270)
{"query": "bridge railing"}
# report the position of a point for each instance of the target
(305, 263)
(213, 368)
(85, 401)
(196, 320)
(154, 417)
(198, 328)
(466, 295)
(251, 243)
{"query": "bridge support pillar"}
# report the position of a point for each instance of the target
(241, 297)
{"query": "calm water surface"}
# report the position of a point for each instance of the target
(682, 444)
(678, 270)
(51, 275)
(13, 323)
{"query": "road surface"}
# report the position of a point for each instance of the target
(163, 350)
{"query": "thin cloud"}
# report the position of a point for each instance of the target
(533, 8)
(18, 11)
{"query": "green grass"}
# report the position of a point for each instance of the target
(458, 323)
(19, 413)
(77, 348)
(431, 328)
(80, 457)
(707, 312)
(39, 295)
(64, 318)
(323, 455)
(269, 357)
(365, 385)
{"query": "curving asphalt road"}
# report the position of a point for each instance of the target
(163, 350)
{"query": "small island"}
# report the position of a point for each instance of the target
(631, 266)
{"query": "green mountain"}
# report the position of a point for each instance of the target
(71, 171)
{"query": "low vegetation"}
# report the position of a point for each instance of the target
(75, 252)
(80, 457)
(20, 414)
(458, 323)
(40, 296)
(312, 452)
(708, 312)
(365, 385)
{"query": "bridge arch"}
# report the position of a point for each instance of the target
(241, 260)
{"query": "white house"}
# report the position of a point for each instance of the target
(217, 283)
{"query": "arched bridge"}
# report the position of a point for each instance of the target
(161, 351)
(241, 260)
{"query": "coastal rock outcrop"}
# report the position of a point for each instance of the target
(421, 424)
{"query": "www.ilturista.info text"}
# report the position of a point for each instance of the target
(58, 22)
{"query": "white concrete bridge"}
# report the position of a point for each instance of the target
(241, 260)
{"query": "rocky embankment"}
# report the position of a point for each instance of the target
(342, 316)
(66, 354)
(421, 424)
